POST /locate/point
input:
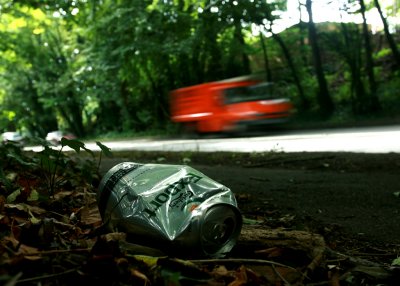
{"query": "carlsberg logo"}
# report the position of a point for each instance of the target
(171, 190)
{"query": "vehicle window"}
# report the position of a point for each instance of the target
(249, 93)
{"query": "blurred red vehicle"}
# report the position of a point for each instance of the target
(228, 105)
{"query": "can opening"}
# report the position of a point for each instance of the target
(221, 232)
(221, 226)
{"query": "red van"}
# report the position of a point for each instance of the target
(228, 105)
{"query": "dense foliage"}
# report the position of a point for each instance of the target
(99, 66)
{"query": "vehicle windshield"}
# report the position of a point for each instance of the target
(261, 91)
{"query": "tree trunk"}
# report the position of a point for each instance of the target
(129, 119)
(372, 103)
(45, 119)
(268, 74)
(303, 100)
(353, 60)
(302, 33)
(75, 113)
(389, 38)
(239, 38)
(214, 68)
(323, 96)
(160, 111)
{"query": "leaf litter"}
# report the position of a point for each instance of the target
(56, 237)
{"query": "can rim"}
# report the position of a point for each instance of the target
(231, 238)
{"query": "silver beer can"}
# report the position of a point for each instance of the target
(171, 207)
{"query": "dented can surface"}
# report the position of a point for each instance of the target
(172, 207)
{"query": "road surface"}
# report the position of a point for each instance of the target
(364, 140)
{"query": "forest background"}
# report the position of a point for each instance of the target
(76, 64)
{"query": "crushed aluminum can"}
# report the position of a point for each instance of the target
(171, 207)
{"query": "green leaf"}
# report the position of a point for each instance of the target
(33, 196)
(175, 271)
(150, 261)
(13, 196)
(171, 277)
(47, 164)
(251, 221)
(33, 219)
(106, 150)
(20, 159)
(396, 262)
(11, 177)
(73, 144)
(88, 150)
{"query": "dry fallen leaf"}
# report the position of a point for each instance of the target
(136, 273)
(90, 216)
(26, 208)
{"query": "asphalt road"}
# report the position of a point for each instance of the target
(364, 140)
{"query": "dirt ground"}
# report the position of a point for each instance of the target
(351, 199)
(309, 219)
